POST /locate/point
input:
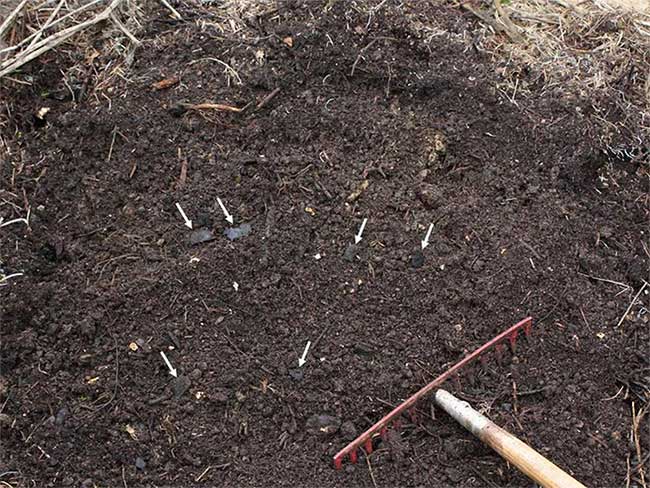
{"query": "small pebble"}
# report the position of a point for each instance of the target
(139, 463)
(199, 236)
(350, 252)
(180, 385)
(417, 259)
(143, 345)
(234, 233)
(297, 374)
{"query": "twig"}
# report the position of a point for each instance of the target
(489, 21)
(604, 280)
(174, 12)
(8, 277)
(212, 106)
(126, 31)
(372, 475)
(511, 29)
(13, 221)
(56, 22)
(198, 478)
(55, 39)
(49, 20)
(636, 420)
(110, 149)
(645, 283)
(356, 61)
(267, 98)
(7, 22)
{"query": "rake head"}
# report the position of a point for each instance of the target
(392, 420)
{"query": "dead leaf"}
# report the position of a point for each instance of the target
(166, 83)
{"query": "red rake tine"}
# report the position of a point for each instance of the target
(393, 416)
(512, 338)
(368, 446)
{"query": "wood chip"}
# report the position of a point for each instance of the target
(360, 189)
(166, 83)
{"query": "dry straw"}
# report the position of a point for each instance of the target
(596, 50)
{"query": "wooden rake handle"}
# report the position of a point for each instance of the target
(516, 452)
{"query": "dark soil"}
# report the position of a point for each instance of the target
(531, 217)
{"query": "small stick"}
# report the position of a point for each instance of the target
(110, 149)
(645, 283)
(13, 221)
(183, 176)
(39, 32)
(372, 475)
(49, 20)
(212, 106)
(268, 98)
(511, 29)
(8, 277)
(54, 40)
(176, 15)
(604, 280)
(126, 31)
(7, 22)
(356, 61)
(636, 420)
(198, 478)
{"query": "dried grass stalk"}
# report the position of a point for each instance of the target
(35, 45)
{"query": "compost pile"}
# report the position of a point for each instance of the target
(305, 119)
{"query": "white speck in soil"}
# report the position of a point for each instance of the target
(139, 463)
(323, 424)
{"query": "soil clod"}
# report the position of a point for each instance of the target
(348, 430)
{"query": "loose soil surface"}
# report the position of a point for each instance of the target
(394, 117)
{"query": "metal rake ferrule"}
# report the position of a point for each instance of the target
(508, 336)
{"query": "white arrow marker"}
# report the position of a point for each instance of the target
(172, 370)
(188, 222)
(225, 212)
(302, 360)
(425, 242)
(357, 238)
